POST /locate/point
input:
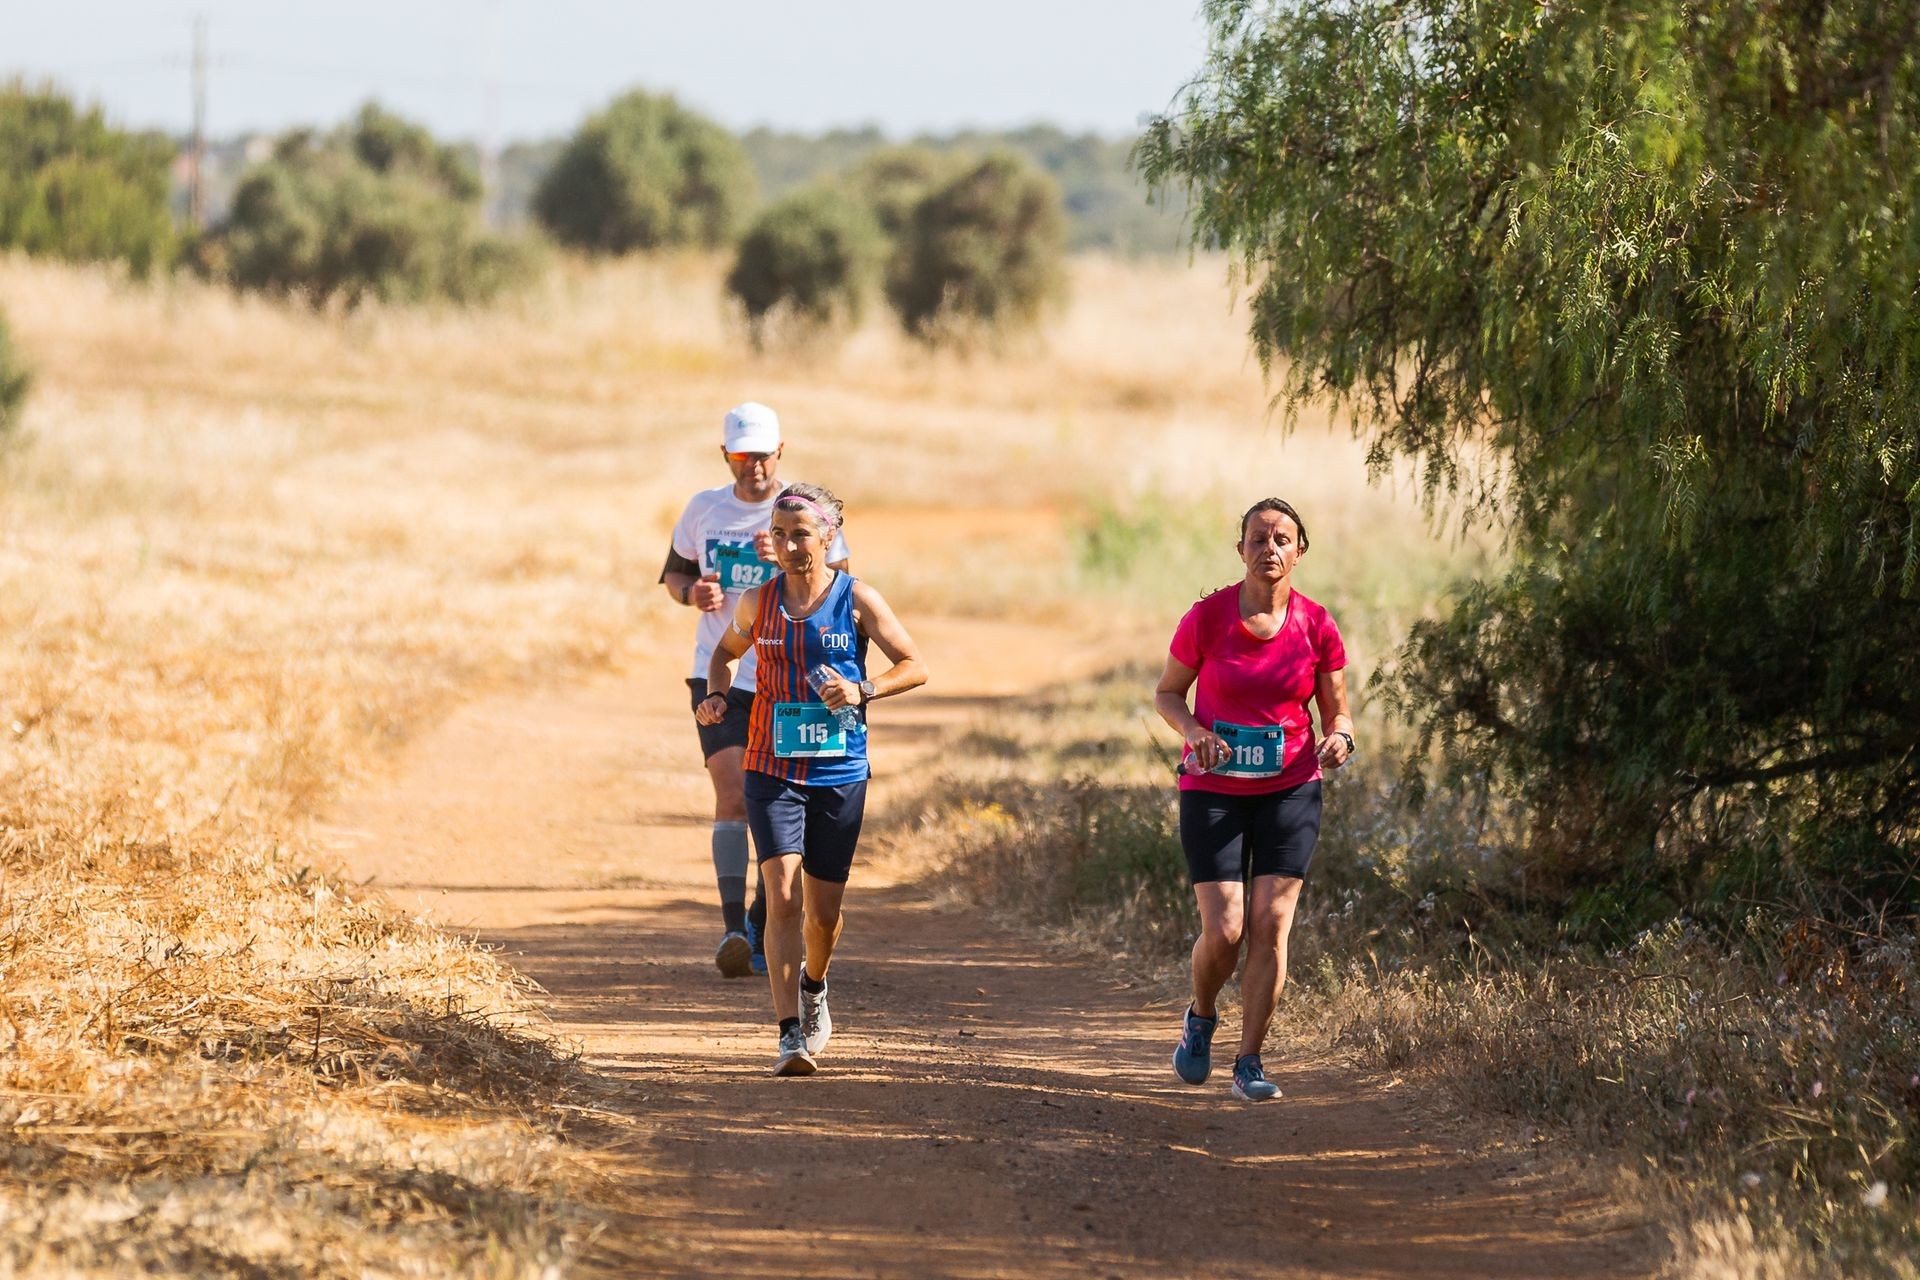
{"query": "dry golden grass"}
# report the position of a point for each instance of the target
(246, 550)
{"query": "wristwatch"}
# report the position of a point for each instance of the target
(685, 591)
(866, 691)
(1342, 733)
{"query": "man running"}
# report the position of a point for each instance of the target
(721, 549)
(806, 758)
(1250, 777)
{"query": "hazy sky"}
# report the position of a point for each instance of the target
(908, 67)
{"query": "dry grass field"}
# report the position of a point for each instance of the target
(246, 550)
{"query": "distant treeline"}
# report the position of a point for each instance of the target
(1106, 202)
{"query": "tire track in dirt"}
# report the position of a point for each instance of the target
(987, 1108)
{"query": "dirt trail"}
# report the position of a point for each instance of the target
(986, 1108)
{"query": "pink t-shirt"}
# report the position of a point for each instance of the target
(1258, 684)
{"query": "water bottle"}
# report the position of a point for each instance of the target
(847, 717)
(1189, 766)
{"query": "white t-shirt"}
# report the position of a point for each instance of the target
(716, 532)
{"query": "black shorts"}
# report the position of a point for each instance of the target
(821, 824)
(732, 729)
(1232, 837)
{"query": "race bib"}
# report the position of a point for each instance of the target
(1258, 751)
(804, 730)
(739, 565)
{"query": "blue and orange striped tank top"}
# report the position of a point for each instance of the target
(787, 649)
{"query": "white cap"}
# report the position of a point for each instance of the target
(752, 428)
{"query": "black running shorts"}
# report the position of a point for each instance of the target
(1234, 837)
(732, 729)
(821, 824)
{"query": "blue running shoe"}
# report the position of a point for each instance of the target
(1193, 1056)
(757, 960)
(1250, 1082)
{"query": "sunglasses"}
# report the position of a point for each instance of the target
(741, 459)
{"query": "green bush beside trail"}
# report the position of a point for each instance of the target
(646, 173)
(72, 187)
(375, 210)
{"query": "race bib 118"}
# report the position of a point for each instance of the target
(1259, 751)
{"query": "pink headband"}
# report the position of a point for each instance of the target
(826, 517)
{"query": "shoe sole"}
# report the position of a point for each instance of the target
(795, 1064)
(1241, 1094)
(734, 959)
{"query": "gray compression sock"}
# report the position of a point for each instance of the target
(730, 858)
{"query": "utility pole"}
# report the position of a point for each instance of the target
(494, 56)
(196, 180)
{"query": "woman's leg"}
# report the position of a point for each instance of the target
(1269, 925)
(823, 924)
(784, 908)
(1217, 950)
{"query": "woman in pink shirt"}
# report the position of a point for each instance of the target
(1253, 654)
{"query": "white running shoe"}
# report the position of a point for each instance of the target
(816, 1024)
(794, 1058)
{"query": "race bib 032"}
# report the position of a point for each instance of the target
(738, 565)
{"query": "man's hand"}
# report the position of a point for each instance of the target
(763, 546)
(707, 594)
(712, 709)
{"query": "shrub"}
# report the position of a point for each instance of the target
(646, 173)
(892, 182)
(981, 253)
(806, 262)
(13, 382)
(377, 210)
(71, 187)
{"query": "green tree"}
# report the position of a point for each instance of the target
(806, 264)
(646, 173)
(14, 380)
(72, 187)
(892, 181)
(1651, 266)
(376, 209)
(982, 253)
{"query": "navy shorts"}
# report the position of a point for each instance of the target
(732, 729)
(821, 824)
(1233, 837)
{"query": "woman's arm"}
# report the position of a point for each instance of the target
(1170, 700)
(876, 620)
(733, 642)
(1330, 697)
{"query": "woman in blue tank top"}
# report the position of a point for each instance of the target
(806, 763)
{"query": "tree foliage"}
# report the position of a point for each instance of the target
(982, 252)
(1639, 279)
(892, 181)
(14, 380)
(72, 187)
(376, 209)
(646, 173)
(806, 264)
